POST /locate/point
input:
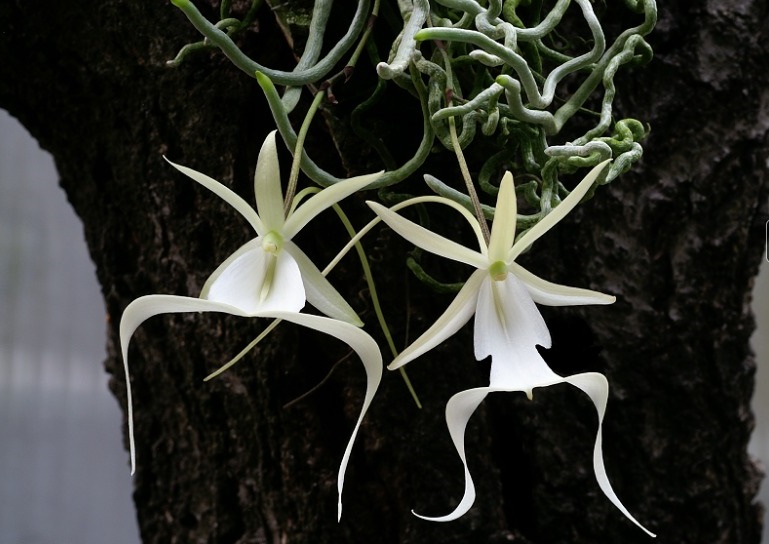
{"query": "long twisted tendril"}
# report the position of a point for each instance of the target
(515, 82)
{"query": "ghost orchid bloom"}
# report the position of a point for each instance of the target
(508, 326)
(269, 276)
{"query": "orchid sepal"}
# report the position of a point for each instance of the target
(319, 291)
(503, 228)
(226, 194)
(554, 294)
(558, 213)
(267, 187)
(324, 199)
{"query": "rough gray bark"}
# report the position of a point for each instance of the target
(678, 240)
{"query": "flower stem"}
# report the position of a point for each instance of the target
(245, 350)
(364, 38)
(375, 300)
(468, 181)
(324, 87)
(458, 149)
(293, 178)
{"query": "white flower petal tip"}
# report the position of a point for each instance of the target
(267, 186)
(595, 386)
(468, 499)
(555, 216)
(226, 194)
(428, 240)
(368, 352)
(448, 517)
(553, 294)
(324, 199)
(461, 407)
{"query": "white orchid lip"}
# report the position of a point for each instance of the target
(364, 346)
(508, 326)
(268, 277)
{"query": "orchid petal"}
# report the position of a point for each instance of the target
(428, 240)
(254, 280)
(267, 187)
(554, 294)
(471, 219)
(320, 293)
(397, 207)
(370, 356)
(325, 199)
(503, 227)
(456, 315)
(508, 326)
(139, 311)
(226, 194)
(459, 409)
(560, 211)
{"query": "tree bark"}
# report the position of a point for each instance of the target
(678, 240)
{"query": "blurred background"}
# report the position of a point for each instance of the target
(64, 475)
(759, 443)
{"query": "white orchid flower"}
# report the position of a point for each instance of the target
(269, 277)
(508, 326)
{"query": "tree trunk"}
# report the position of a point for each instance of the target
(678, 240)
